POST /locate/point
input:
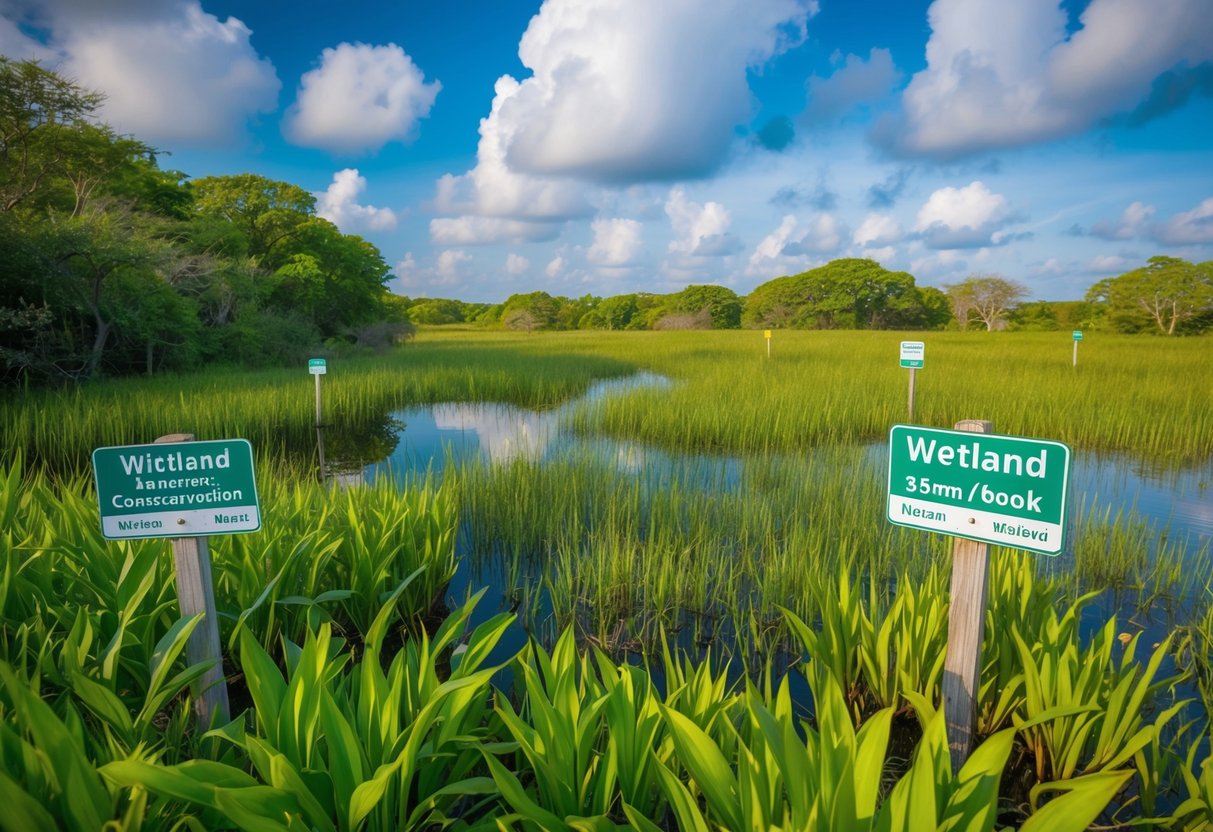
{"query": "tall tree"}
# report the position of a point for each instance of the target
(987, 296)
(1168, 295)
(269, 213)
(37, 110)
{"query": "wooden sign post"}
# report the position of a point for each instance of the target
(196, 594)
(912, 358)
(185, 491)
(318, 367)
(966, 629)
(1077, 336)
(980, 488)
(766, 333)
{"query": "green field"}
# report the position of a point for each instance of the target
(353, 708)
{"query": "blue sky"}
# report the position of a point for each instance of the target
(608, 146)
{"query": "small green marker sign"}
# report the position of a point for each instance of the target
(317, 366)
(1078, 335)
(912, 355)
(182, 489)
(1005, 490)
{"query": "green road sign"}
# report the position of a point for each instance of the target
(912, 354)
(1006, 490)
(180, 489)
(1078, 335)
(317, 366)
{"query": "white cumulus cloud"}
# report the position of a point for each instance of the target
(967, 217)
(1132, 222)
(492, 189)
(1003, 74)
(516, 263)
(701, 230)
(171, 72)
(1193, 227)
(616, 242)
(450, 263)
(877, 230)
(360, 98)
(632, 90)
(473, 230)
(339, 205)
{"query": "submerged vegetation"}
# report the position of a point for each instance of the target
(786, 645)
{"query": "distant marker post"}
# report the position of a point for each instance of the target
(1077, 335)
(318, 367)
(912, 358)
(766, 333)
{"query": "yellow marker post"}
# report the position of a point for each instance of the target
(766, 333)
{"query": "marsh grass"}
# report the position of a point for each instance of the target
(360, 718)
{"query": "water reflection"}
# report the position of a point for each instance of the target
(494, 433)
(433, 436)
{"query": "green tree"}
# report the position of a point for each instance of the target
(541, 307)
(611, 313)
(90, 250)
(1167, 295)
(436, 311)
(987, 297)
(849, 293)
(269, 213)
(722, 304)
(39, 110)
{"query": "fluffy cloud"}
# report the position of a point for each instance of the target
(1193, 227)
(616, 242)
(700, 230)
(360, 98)
(472, 231)
(339, 205)
(516, 264)
(877, 230)
(1005, 74)
(968, 217)
(491, 189)
(856, 82)
(450, 263)
(630, 90)
(171, 73)
(1108, 264)
(1131, 223)
(795, 243)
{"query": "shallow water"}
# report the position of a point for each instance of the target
(433, 436)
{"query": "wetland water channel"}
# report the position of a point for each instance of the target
(1177, 505)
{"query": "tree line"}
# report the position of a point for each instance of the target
(1167, 296)
(111, 264)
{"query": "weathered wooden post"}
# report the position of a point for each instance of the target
(196, 594)
(185, 491)
(318, 367)
(980, 488)
(966, 629)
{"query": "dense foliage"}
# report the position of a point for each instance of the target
(109, 263)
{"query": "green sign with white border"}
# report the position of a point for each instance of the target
(1077, 335)
(178, 489)
(317, 366)
(913, 354)
(1006, 490)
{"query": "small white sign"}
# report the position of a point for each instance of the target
(912, 354)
